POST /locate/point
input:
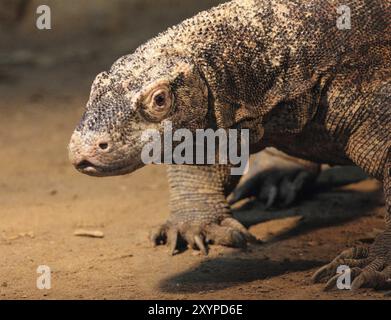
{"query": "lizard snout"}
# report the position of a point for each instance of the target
(97, 154)
(85, 152)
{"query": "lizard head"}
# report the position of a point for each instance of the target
(139, 93)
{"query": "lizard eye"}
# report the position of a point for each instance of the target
(160, 99)
(158, 103)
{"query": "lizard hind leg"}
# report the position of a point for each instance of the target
(368, 266)
(369, 147)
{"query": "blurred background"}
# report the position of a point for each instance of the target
(84, 30)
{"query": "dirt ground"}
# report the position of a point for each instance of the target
(43, 200)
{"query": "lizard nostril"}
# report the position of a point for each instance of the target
(103, 145)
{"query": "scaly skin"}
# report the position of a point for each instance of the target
(199, 209)
(278, 68)
(276, 179)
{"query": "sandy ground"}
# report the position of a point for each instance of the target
(43, 200)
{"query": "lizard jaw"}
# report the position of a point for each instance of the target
(95, 170)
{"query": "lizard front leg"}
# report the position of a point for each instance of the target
(200, 213)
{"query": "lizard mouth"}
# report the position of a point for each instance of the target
(98, 170)
(86, 166)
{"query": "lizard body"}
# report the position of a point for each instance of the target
(281, 69)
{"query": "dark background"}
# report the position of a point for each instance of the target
(88, 27)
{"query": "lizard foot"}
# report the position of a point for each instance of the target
(229, 232)
(368, 267)
(276, 180)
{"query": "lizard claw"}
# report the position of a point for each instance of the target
(273, 187)
(368, 267)
(276, 180)
(229, 232)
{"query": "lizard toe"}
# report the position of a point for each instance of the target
(229, 232)
(364, 267)
(158, 235)
(274, 188)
